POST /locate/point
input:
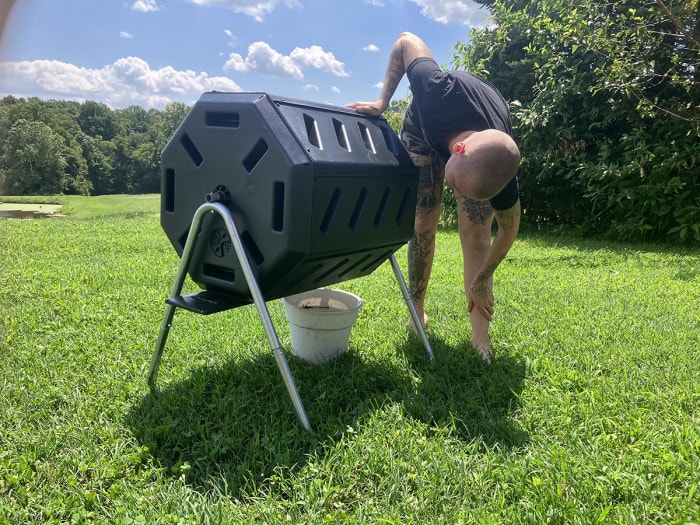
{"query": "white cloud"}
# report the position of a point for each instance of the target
(232, 40)
(261, 57)
(334, 89)
(124, 34)
(378, 85)
(256, 9)
(308, 87)
(128, 81)
(145, 6)
(371, 48)
(463, 12)
(375, 3)
(236, 62)
(317, 58)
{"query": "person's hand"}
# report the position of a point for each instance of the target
(369, 108)
(481, 298)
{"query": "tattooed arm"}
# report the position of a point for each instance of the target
(480, 290)
(406, 49)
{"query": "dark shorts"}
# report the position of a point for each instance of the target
(432, 176)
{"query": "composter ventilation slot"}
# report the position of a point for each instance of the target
(330, 211)
(312, 131)
(308, 273)
(278, 206)
(357, 212)
(220, 273)
(367, 138)
(354, 265)
(191, 149)
(183, 239)
(334, 269)
(402, 206)
(252, 249)
(390, 140)
(222, 119)
(255, 155)
(376, 261)
(379, 216)
(341, 134)
(169, 190)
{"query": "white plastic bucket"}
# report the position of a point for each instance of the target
(320, 322)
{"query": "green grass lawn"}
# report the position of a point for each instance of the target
(80, 207)
(589, 413)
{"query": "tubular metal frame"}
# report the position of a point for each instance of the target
(260, 304)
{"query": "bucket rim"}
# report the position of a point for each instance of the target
(309, 295)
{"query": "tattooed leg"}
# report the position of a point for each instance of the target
(421, 248)
(475, 219)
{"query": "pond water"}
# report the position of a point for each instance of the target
(11, 210)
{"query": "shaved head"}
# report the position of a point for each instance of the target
(482, 167)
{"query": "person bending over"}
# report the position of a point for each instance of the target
(457, 129)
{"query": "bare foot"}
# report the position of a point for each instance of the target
(484, 349)
(412, 325)
(481, 342)
(485, 352)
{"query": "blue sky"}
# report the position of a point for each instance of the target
(151, 52)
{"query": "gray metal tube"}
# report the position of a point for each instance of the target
(264, 314)
(175, 291)
(411, 306)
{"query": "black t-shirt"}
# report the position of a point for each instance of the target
(453, 101)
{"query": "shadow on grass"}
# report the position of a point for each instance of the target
(228, 428)
(462, 392)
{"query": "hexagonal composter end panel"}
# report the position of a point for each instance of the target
(319, 194)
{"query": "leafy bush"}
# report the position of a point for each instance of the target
(605, 110)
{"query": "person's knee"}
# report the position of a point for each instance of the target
(475, 237)
(427, 220)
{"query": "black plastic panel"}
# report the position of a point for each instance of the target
(320, 193)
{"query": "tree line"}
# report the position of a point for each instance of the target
(50, 147)
(605, 99)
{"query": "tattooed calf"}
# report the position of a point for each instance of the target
(419, 250)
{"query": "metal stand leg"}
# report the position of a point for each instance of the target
(160, 346)
(265, 317)
(411, 307)
(258, 299)
(175, 291)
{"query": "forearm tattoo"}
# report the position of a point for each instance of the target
(394, 73)
(507, 218)
(483, 276)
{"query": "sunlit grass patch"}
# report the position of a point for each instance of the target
(588, 413)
